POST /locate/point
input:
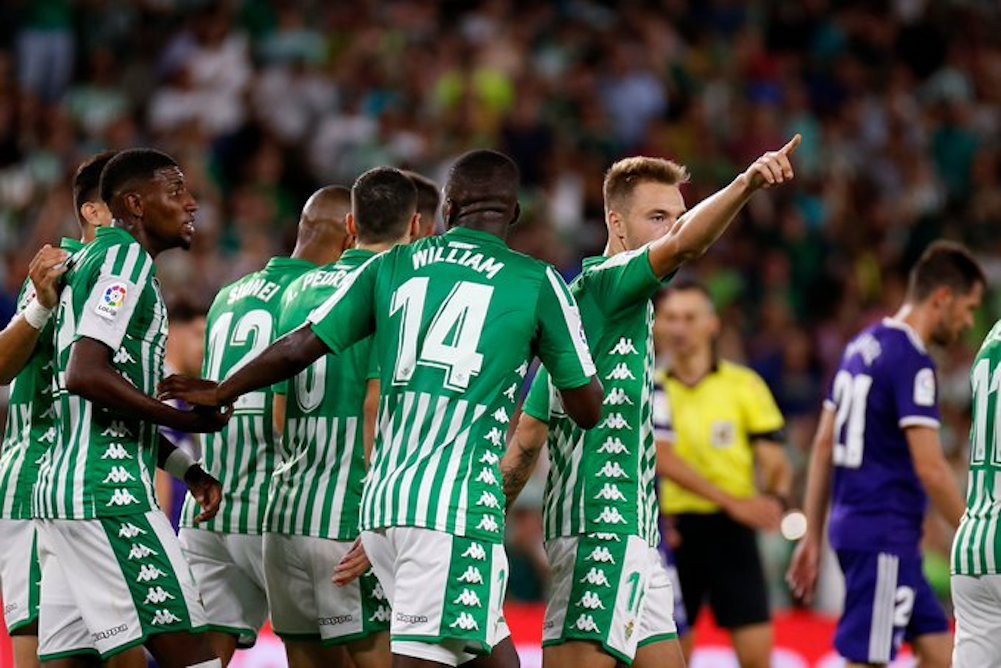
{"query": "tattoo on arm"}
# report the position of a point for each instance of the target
(516, 469)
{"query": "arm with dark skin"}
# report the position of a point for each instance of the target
(91, 375)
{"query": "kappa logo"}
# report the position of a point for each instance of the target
(488, 523)
(122, 497)
(118, 475)
(489, 458)
(117, 429)
(617, 397)
(587, 624)
(591, 601)
(615, 421)
(610, 516)
(495, 436)
(50, 413)
(116, 451)
(382, 615)
(624, 347)
(605, 536)
(613, 446)
(523, 369)
(488, 500)
(411, 619)
(601, 555)
(140, 551)
(49, 436)
(471, 576)
(123, 356)
(158, 595)
(487, 476)
(620, 372)
(469, 599)
(610, 492)
(336, 620)
(164, 617)
(612, 470)
(109, 633)
(130, 531)
(501, 415)
(465, 622)
(511, 391)
(148, 573)
(475, 551)
(377, 592)
(596, 577)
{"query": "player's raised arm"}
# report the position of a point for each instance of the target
(17, 340)
(699, 228)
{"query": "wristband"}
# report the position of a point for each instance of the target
(36, 315)
(178, 462)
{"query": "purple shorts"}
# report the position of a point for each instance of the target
(887, 601)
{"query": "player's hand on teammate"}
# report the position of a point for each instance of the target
(354, 565)
(194, 391)
(804, 569)
(773, 168)
(208, 420)
(206, 490)
(45, 269)
(762, 512)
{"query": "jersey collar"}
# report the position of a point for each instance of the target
(907, 329)
(353, 255)
(288, 263)
(474, 235)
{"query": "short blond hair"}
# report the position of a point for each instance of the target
(623, 177)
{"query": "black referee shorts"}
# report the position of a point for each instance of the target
(718, 560)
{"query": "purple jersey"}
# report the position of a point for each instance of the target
(886, 382)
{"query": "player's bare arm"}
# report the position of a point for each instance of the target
(699, 228)
(522, 453)
(773, 467)
(804, 568)
(90, 374)
(205, 488)
(934, 472)
(17, 340)
(281, 360)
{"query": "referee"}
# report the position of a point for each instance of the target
(719, 420)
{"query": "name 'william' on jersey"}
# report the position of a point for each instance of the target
(103, 461)
(242, 322)
(885, 384)
(457, 318)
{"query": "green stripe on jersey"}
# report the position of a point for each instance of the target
(103, 461)
(31, 423)
(316, 489)
(976, 549)
(242, 322)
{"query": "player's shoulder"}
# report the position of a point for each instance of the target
(900, 343)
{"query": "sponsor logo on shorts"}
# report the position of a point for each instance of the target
(381, 614)
(109, 633)
(140, 551)
(613, 446)
(164, 617)
(149, 573)
(605, 536)
(586, 623)
(597, 578)
(465, 622)
(158, 595)
(411, 619)
(130, 531)
(475, 551)
(610, 516)
(630, 627)
(472, 576)
(612, 470)
(336, 620)
(9, 608)
(469, 599)
(591, 601)
(548, 624)
(377, 592)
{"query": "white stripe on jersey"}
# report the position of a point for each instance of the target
(395, 469)
(571, 316)
(452, 474)
(328, 441)
(884, 599)
(80, 470)
(434, 461)
(423, 401)
(350, 429)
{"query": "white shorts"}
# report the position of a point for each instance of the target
(446, 592)
(111, 583)
(307, 605)
(609, 589)
(977, 605)
(20, 576)
(229, 570)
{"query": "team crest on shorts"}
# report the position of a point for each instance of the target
(112, 301)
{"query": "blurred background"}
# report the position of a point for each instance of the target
(262, 101)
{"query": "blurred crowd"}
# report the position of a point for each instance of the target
(262, 101)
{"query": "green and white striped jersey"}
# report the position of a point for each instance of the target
(102, 462)
(242, 322)
(31, 423)
(316, 489)
(456, 319)
(602, 480)
(976, 549)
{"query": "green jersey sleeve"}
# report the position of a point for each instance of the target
(561, 344)
(537, 402)
(348, 315)
(373, 364)
(623, 280)
(114, 294)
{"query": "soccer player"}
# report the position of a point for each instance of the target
(113, 575)
(428, 201)
(456, 320)
(611, 598)
(226, 553)
(313, 513)
(976, 590)
(877, 458)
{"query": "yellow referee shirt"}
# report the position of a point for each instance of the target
(712, 426)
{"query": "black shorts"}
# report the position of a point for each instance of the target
(718, 559)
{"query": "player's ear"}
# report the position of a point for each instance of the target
(351, 225)
(517, 213)
(447, 211)
(133, 203)
(415, 227)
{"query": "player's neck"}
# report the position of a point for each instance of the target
(918, 319)
(690, 369)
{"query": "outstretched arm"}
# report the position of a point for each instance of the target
(698, 229)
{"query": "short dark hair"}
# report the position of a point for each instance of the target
(87, 179)
(481, 172)
(944, 264)
(428, 195)
(384, 201)
(685, 284)
(136, 164)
